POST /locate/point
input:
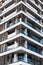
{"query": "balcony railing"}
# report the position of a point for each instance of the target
(11, 47)
(31, 47)
(11, 35)
(9, 16)
(33, 9)
(35, 4)
(26, 33)
(26, 22)
(11, 24)
(28, 46)
(8, 8)
(32, 1)
(23, 59)
(6, 2)
(20, 58)
(33, 17)
(33, 36)
(31, 25)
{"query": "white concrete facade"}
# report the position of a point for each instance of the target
(21, 32)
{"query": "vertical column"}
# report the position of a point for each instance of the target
(20, 19)
(15, 58)
(26, 20)
(16, 20)
(15, 31)
(10, 56)
(41, 41)
(40, 21)
(26, 31)
(5, 60)
(39, 6)
(2, 60)
(25, 57)
(3, 47)
(15, 44)
(42, 52)
(25, 44)
(41, 31)
(5, 25)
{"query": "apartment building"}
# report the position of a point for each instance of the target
(21, 32)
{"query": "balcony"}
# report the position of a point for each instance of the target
(28, 46)
(23, 59)
(36, 38)
(6, 2)
(39, 30)
(26, 22)
(12, 35)
(40, 2)
(24, 32)
(12, 46)
(32, 1)
(36, 6)
(33, 36)
(33, 9)
(8, 17)
(8, 9)
(11, 24)
(20, 58)
(29, 23)
(31, 47)
(32, 17)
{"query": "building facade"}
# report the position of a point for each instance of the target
(21, 32)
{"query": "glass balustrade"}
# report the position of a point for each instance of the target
(31, 47)
(29, 60)
(33, 36)
(23, 31)
(31, 25)
(39, 30)
(19, 58)
(28, 46)
(23, 59)
(27, 22)
(36, 38)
